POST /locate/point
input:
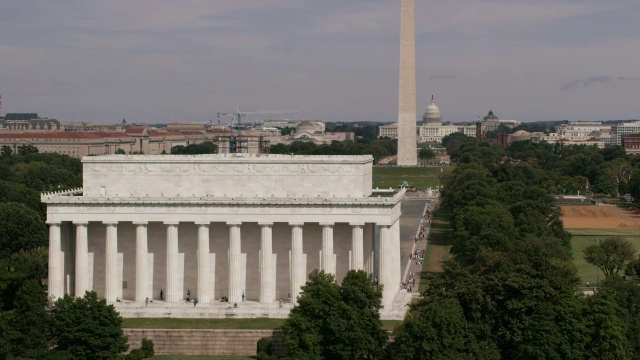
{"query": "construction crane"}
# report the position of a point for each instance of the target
(235, 142)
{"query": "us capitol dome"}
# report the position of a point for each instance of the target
(432, 116)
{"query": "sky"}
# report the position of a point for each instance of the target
(163, 61)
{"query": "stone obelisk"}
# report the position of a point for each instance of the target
(407, 146)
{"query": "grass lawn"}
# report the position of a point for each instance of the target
(582, 238)
(420, 177)
(438, 246)
(248, 324)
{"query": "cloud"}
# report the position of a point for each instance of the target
(596, 80)
(442, 77)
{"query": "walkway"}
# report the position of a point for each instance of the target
(413, 269)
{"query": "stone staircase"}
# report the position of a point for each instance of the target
(206, 341)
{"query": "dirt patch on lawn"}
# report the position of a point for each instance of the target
(599, 217)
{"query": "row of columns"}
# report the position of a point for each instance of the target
(237, 274)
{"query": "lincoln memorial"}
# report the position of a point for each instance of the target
(247, 227)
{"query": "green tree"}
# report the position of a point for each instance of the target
(634, 185)
(610, 255)
(605, 184)
(607, 329)
(27, 149)
(626, 295)
(18, 193)
(31, 321)
(20, 229)
(120, 152)
(427, 154)
(6, 151)
(333, 322)
(359, 329)
(31, 264)
(307, 330)
(88, 328)
(432, 330)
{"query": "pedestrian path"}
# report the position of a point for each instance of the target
(415, 259)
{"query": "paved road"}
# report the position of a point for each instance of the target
(409, 222)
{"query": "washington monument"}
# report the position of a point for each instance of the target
(407, 148)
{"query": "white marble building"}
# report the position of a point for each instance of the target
(220, 225)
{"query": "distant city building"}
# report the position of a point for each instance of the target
(83, 126)
(388, 131)
(631, 144)
(282, 124)
(307, 131)
(27, 122)
(181, 126)
(627, 128)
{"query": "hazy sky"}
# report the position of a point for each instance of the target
(185, 60)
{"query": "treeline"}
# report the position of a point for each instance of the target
(379, 148)
(23, 175)
(195, 149)
(560, 169)
(32, 327)
(510, 290)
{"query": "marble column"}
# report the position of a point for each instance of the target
(82, 259)
(204, 280)
(267, 275)
(235, 263)
(389, 262)
(56, 267)
(385, 265)
(172, 294)
(396, 271)
(142, 267)
(357, 246)
(297, 261)
(328, 257)
(111, 281)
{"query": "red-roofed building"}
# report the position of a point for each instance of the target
(132, 140)
(70, 143)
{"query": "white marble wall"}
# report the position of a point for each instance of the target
(232, 175)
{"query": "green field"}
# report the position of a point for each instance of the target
(438, 246)
(420, 177)
(582, 238)
(246, 324)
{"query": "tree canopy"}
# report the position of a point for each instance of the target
(610, 255)
(336, 322)
(87, 328)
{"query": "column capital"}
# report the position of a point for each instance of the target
(327, 224)
(54, 223)
(140, 223)
(265, 223)
(296, 224)
(203, 223)
(171, 223)
(234, 223)
(81, 223)
(356, 223)
(114, 223)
